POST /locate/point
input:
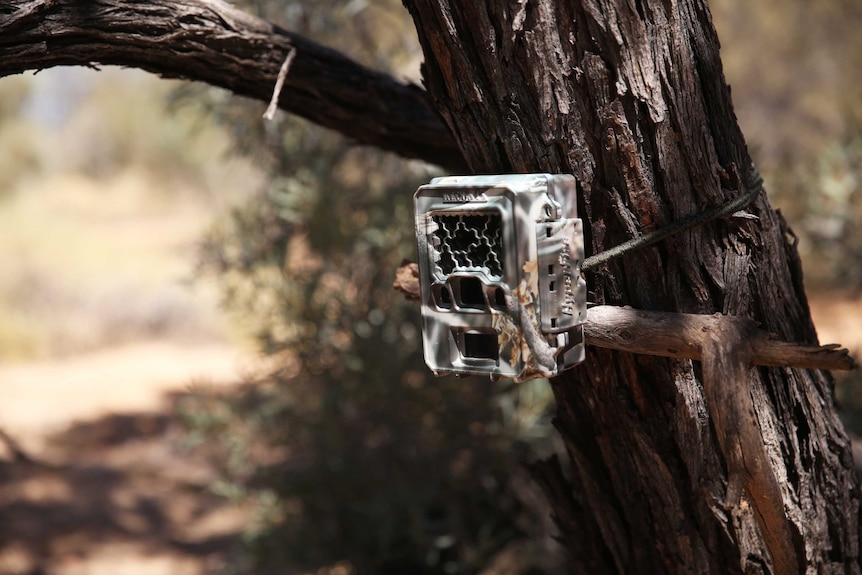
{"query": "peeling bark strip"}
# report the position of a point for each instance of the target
(629, 96)
(210, 41)
(269, 114)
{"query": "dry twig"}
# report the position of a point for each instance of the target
(279, 84)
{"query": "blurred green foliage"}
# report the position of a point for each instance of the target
(104, 191)
(354, 457)
(833, 211)
(19, 144)
(794, 70)
(350, 450)
(101, 124)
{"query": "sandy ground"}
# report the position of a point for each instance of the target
(108, 487)
(45, 397)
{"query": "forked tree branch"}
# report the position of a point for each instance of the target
(212, 42)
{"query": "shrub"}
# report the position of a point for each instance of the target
(349, 449)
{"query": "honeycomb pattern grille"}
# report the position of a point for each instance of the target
(469, 242)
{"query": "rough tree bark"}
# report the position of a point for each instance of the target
(630, 98)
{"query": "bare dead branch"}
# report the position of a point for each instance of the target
(212, 42)
(678, 335)
(683, 335)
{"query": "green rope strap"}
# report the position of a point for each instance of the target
(676, 227)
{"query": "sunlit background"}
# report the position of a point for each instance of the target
(203, 366)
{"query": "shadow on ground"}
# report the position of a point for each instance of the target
(115, 494)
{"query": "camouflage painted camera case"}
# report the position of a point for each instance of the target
(499, 268)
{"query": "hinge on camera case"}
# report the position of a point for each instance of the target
(499, 273)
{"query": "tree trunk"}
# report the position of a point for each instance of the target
(630, 98)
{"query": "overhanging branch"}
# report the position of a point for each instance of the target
(212, 42)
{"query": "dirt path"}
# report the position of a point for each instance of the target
(109, 487)
(47, 396)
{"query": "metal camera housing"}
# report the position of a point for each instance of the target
(499, 273)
